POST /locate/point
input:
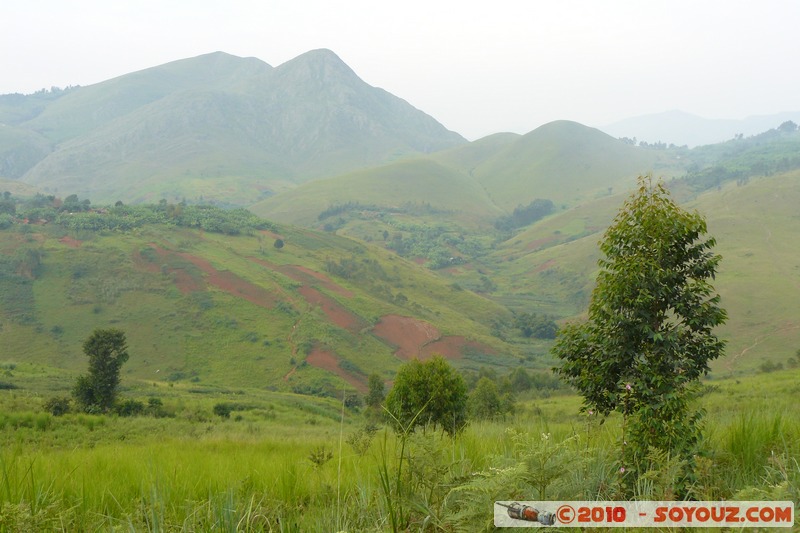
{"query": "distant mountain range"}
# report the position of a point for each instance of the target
(562, 161)
(222, 127)
(412, 217)
(680, 128)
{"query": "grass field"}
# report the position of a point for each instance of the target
(292, 463)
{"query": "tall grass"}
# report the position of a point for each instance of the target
(82, 472)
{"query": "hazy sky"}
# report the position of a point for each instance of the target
(479, 67)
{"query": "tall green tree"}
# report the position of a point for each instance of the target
(649, 337)
(107, 351)
(429, 392)
(484, 401)
(377, 391)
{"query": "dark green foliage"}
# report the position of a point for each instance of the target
(223, 410)
(107, 352)
(353, 401)
(520, 380)
(484, 400)
(522, 216)
(278, 244)
(350, 366)
(649, 336)
(442, 245)
(377, 391)
(768, 153)
(75, 214)
(7, 205)
(155, 407)
(6, 221)
(355, 269)
(428, 393)
(769, 366)
(535, 325)
(57, 406)
(129, 407)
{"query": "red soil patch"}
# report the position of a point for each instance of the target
(418, 339)
(544, 266)
(143, 264)
(183, 280)
(328, 283)
(538, 243)
(69, 241)
(232, 284)
(306, 275)
(332, 309)
(408, 334)
(329, 361)
(453, 348)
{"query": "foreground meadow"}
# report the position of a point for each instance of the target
(293, 463)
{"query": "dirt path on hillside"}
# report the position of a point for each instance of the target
(292, 348)
(758, 340)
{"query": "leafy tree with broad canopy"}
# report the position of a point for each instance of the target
(107, 351)
(649, 336)
(429, 392)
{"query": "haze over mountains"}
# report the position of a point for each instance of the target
(310, 145)
(681, 128)
(209, 123)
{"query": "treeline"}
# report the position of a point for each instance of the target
(524, 215)
(772, 152)
(440, 245)
(536, 325)
(76, 214)
(411, 208)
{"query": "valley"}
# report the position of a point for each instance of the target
(274, 241)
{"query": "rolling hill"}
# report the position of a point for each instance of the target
(563, 161)
(549, 267)
(215, 127)
(219, 310)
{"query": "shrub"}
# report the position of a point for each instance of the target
(57, 406)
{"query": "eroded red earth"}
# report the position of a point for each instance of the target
(415, 338)
(329, 361)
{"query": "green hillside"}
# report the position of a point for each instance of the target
(230, 309)
(215, 127)
(414, 182)
(549, 268)
(565, 162)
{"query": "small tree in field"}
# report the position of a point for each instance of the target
(377, 391)
(649, 336)
(107, 352)
(428, 393)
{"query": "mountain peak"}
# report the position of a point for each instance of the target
(322, 64)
